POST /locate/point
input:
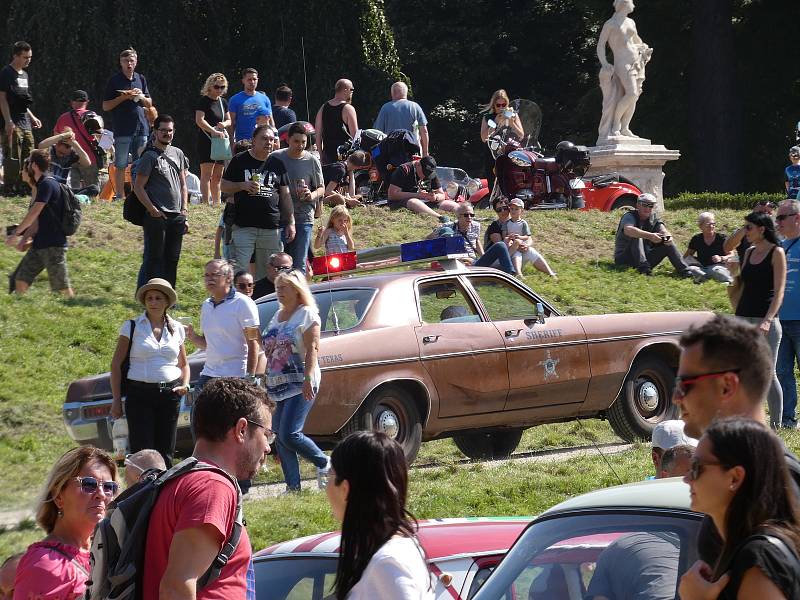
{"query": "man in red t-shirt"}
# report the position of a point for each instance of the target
(78, 102)
(194, 514)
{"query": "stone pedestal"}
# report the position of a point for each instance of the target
(634, 158)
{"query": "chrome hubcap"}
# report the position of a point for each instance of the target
(648, 396)
(388, 423)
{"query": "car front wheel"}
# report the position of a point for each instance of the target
(391, 410)
(645, 399)
(488, 445)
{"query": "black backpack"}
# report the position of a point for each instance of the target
(71, 214)
(117, 554)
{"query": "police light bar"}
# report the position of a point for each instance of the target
(435, 248)
(334, 263)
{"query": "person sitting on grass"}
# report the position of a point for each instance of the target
(404, 188)
(337, 236)
(340, 183)
(709, 245)
(643, 241)
(517, 235)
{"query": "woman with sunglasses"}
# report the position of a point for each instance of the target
(243, 281)
(763, 275)
(506, 126)
(78, 489)
(291, 343)
(158, 372)
(379, 554)
(740, 480)
(211, 117)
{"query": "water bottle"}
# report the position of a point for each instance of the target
(119, 436)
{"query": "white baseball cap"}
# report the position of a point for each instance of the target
(669, 434)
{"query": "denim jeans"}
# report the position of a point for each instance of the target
(125, 145)
(788, 354)
(264, 242)
(774, 393)
(287, 421)
(163, 238)
(298, 247)
(497, 252)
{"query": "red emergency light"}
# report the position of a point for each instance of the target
(334, 263)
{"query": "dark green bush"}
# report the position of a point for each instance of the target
(709, 200)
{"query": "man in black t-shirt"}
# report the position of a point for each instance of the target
(404, 188)
(16, 118)
(725, 369)
(48, 248)
(340, 184)
(262, 202)
(281, 113)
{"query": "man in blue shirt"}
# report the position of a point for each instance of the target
(48, 249)
(402, 113)
(788, 223)
(793, 173)
(125, 99)
(249, 107)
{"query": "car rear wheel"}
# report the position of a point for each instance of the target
(645, 399)
(627, 201)
(391, 410)
(488, 445)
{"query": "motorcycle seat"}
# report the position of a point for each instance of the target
(548, 165)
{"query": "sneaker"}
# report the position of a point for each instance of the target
(644, 269)
(289, 492)
(322, 475)
(693, 272)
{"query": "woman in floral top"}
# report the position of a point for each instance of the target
(291, 343)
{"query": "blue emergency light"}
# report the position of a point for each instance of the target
(434, 248)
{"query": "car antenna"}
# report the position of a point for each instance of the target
(600, 452)
(305, 77)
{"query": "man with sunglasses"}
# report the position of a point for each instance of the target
(788, 224)
(280, 262)
(195, 513)
(724, 370)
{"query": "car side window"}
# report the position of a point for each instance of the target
(503, 301)
(444, 301)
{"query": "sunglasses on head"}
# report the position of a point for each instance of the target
(684, 385)
(90, 485)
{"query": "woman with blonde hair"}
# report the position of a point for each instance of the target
(291, 343)
(211, 117)
(497, 110)
(78, 490)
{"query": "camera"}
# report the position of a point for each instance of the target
(11, 229)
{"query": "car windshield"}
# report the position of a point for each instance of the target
(338, 309)
(295, 578)
(636, 554)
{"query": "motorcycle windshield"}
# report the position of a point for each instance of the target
(530, 115)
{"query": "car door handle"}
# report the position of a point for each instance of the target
(510, 333)
(429, 339)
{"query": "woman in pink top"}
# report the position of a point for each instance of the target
(74, 500)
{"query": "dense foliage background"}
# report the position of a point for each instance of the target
(721, 87)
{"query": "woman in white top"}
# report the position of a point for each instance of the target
(379, 554)
(158, 373)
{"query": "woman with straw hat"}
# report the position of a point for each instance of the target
(158, 372)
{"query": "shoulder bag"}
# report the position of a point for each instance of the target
(220, 146)
(132, 209)
(126, 364)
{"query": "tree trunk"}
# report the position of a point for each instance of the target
(715, 110)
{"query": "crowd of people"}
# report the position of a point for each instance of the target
(260, 380)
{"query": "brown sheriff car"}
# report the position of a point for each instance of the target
(467, 353)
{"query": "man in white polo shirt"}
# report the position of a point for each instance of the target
(230, 326)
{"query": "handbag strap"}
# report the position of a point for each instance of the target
(222, 111)
(130, 341)
(72, 559)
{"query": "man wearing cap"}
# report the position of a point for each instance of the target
(643, 241)
(402, 113)
(73, 120)
(64, 154)
(404, 191)
(668, 435)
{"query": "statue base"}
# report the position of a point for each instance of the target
(634, 158)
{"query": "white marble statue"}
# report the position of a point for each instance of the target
(622, 81)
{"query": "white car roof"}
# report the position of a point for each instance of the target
(670, 493)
